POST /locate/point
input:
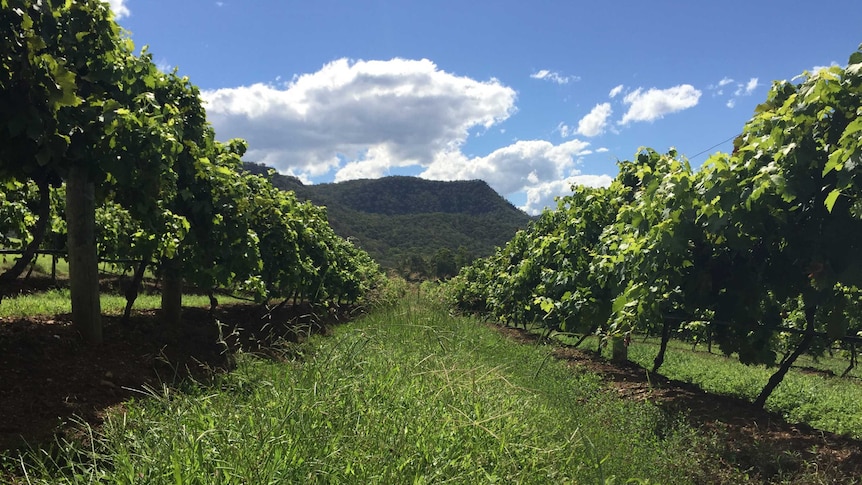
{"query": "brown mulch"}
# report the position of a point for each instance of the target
(47, 375)
(759, 441)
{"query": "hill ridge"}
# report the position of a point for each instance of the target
(399, 218)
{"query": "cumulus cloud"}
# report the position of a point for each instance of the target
(554, 77)
(655, 103)
(615, 91)
(359, 117)
(119, 8)
(595, 121)
(542, 196)
(375, 163)
(747, 88)
(513, 168)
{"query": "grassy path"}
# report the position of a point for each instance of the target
(405, 395)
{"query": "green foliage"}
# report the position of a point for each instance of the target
(106, 123)
(115, 230)
(444, 263)
(35, 83)
(546, 272)
(73, 94)
(17, 207)
(761, 240)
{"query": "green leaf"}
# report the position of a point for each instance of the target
(853, 127)
(834, 162)
(831, 198)
(619, 303)
(546, 304)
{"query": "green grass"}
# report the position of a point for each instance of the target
(835, 364)
(56, 302)
(824, 402)
(405, 395)
(43, 267)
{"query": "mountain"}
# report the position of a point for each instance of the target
(404, 222)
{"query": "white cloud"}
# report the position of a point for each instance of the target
(512, 168)
(555, 77)
(359, 117)
(362, 119)
(615, 91)
(718, 88)
(542, 74)
(375, 163)
(747, 88)
(602, 150)
(595, 121)
(541, 196)
(565, 130)
(119, 8)
(655, 103)
(741, 89)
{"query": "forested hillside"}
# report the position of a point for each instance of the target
(414, 225)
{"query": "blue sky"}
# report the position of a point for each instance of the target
(528, 96)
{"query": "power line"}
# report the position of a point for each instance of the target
(714, 146)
